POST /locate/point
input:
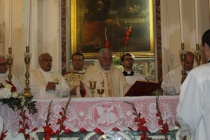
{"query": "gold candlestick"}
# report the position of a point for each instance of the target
(27, 58)
(10, 63)
(182, 54)
(198, 55)
(92, 87)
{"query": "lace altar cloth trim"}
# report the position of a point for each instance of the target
(103, 113)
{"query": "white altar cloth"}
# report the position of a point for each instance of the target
(103, 113)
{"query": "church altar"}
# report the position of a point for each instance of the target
(102, 113)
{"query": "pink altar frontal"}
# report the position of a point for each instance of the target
(102, 113)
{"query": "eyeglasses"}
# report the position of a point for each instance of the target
(128, 59)
(3, 64)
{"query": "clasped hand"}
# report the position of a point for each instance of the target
(51, 86)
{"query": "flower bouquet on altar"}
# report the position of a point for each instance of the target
(18, 102)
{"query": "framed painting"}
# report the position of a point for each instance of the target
(93, 22)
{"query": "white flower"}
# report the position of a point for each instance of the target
(5, 93)
(120, 67)
(8, 86)
(116, 60)
(132, 55)
(114, 56)
(15, 95)
(21, 97)
(22, 103)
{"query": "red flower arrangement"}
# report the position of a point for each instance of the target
(48, 131)
(24, 126)
(164, 126)
(140, 123)
(3, 135)
(125, 41)
(61, 120)
(127, 36)
(107, 45)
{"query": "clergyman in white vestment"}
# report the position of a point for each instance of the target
(172, 81)
(45, 83)
(4, 75)
(3, 78)
(193, 111)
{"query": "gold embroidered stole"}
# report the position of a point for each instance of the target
(110, 88)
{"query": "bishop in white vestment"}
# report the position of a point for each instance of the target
(103, 76)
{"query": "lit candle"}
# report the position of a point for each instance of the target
(10, 23)
(28, 24)
(181, 24)
(196, 21)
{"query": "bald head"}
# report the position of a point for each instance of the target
(189, 61)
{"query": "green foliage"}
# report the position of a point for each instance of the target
(20, 103)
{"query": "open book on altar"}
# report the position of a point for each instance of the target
(143, 88)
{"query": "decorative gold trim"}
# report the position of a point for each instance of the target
(73, 31)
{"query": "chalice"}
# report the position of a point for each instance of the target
(100, 92)
(92, 87)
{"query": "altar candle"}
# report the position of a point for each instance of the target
(181, 24)
(28, 24)
(196, 21)
(10, 23)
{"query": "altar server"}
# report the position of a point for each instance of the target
(193, 111)
(45, 83)
(130, 75)
(103, 76)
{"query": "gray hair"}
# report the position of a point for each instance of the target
(41, 56)
(104, 50)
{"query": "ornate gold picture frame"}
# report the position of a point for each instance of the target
(89, 30)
